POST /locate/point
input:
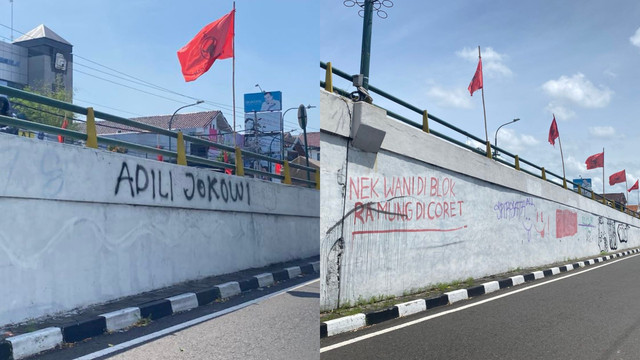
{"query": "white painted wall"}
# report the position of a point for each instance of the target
(481, 218)
(80, 227)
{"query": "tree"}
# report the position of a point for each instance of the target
(45, 114)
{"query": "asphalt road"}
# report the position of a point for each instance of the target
(278, 322)
(591, 313)
(285, 326)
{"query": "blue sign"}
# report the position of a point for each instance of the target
(584, 184)
(266, 101)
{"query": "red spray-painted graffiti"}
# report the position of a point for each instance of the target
(404, 199)
(566, 223)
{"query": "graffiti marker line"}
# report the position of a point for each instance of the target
(404, 230)
(426, 318)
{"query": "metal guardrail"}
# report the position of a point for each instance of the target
(542, 172)
(87, 138)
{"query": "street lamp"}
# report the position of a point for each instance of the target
(495, 141)
(282, 123)
(258, 86)
(174, 114)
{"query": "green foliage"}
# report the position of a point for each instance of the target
(44, 114)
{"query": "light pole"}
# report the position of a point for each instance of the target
(258, 86)
(282, 123)
(495, 141)
(174, 114)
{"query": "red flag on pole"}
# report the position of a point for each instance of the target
(225, 156)
(634, 187)
(65, 123)
(214, 41)
(476, 82)
(553, 132)
(595, 161)
(619, 177)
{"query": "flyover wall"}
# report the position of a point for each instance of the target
(421, 210)
(81, 226)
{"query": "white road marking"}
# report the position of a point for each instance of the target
(187, 324)
(426, 318)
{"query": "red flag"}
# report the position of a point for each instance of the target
(476, 82)
(620, 176)
(634, 187)
(226, 160)
(553, 132)
(595, 161)
(278, 168)
(65, 123)
(159, 156)
(214, 41)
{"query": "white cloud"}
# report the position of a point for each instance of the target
(607, 132)
(635, 39)
(453, 98)
(561, 112)
(610, 73)
(578, 90)
(492, 61)
(513, 142)
(476, 144)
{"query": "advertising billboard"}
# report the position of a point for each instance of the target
(263, 101)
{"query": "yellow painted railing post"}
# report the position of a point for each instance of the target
(425, 121)
(488, 149)
(579, 189)
(182, 154)
(564, 183)
(92, 135)
(328, 78)
(517, 162)
(239, 162)
(593, 196)
(287, 173)
(544, 174)
(317, 179)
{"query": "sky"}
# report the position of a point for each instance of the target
(276, 46)
(578, 60)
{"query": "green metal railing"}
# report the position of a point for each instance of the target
(541, 172)
(34, 126)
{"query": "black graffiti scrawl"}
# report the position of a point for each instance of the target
(158, 184)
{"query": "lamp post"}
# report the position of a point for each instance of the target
(495, 141)
(282, 122)
(174, 114)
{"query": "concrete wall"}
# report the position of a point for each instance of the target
(81, 226)
(423, 211)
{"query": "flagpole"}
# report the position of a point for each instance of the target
(604, 199)
(626, 185)
(484, 110)
(564, 176)
(233, 75)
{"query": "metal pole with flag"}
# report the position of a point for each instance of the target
(477, 83)
(555, 134)
(595, 161)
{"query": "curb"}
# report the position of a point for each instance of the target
(25, 345)
(361, 320)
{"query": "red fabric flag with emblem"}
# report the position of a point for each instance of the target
(226, 160)
(553, 132)
(595, 161)
(620, 176)
(214, 41)
(476, 82)
(65, 123)
(634, 187)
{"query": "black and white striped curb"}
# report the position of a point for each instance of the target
(357, 321)
(25, 345)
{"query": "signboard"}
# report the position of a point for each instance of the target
(266, 101)
(584, 184)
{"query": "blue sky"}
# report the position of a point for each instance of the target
(276, 47)
(577, 59)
